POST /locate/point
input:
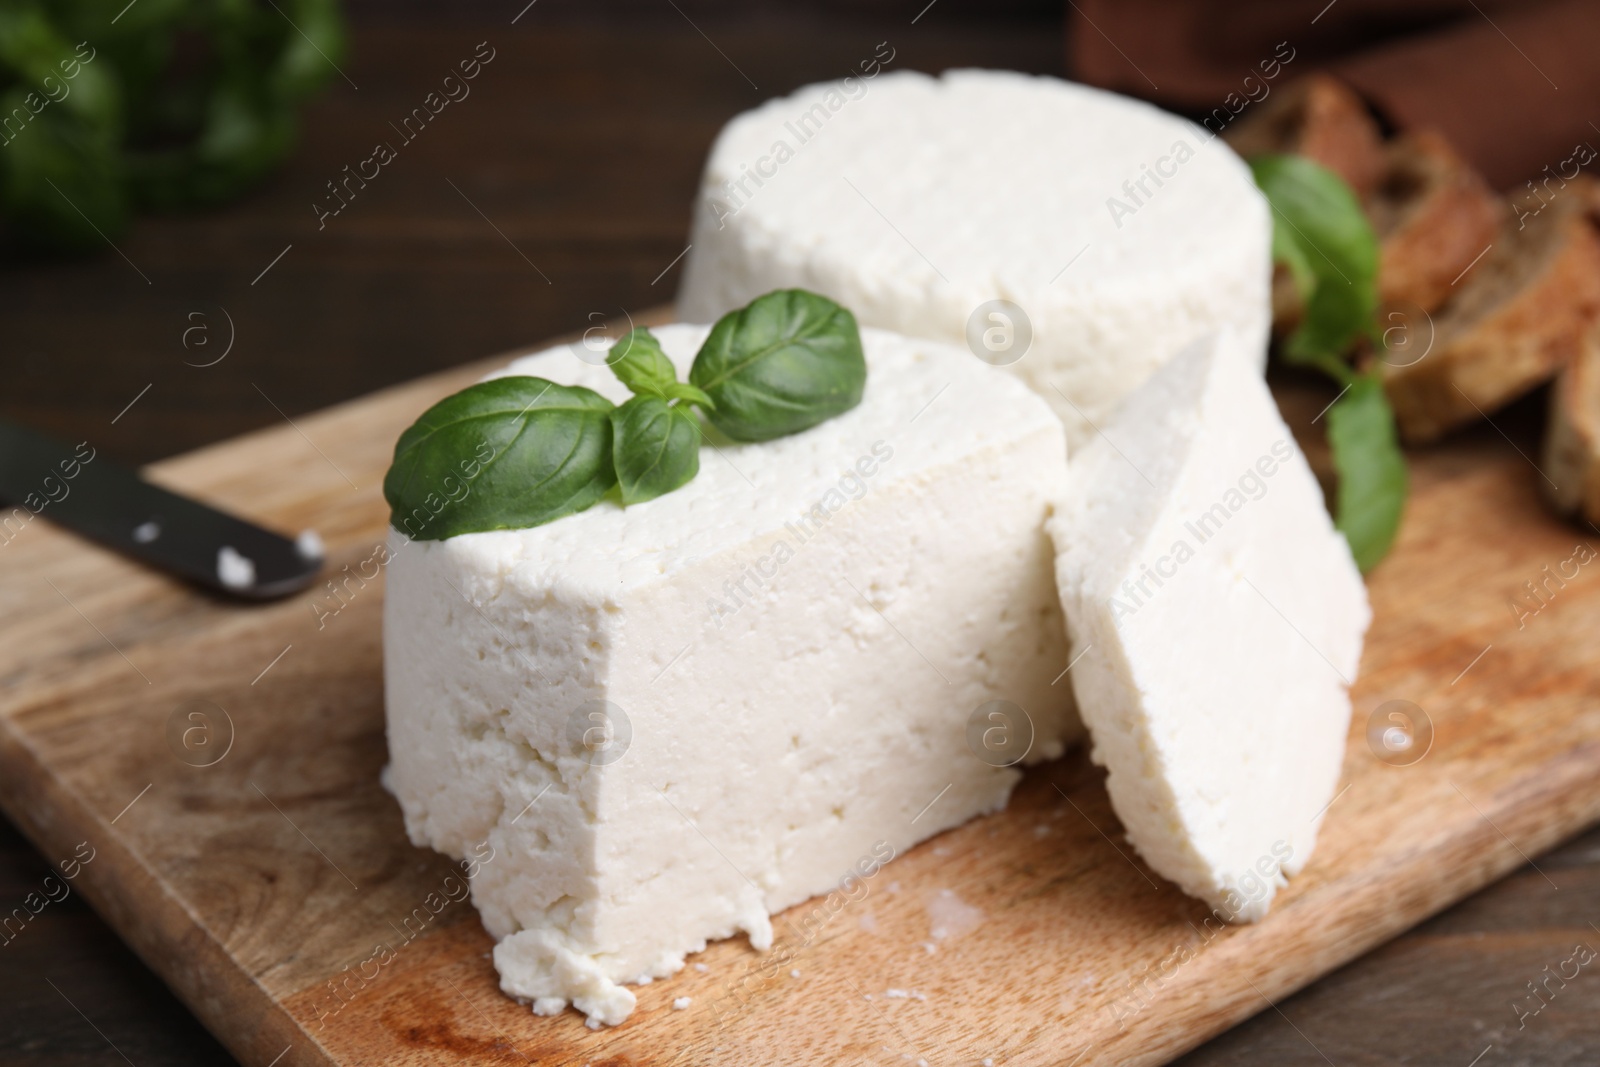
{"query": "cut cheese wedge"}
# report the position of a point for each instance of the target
(1217, 620)
(646, 728)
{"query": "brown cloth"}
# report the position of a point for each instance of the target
(1515, 87)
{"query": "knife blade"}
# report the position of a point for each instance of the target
(76, 487)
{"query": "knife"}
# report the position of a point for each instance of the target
(90, 495)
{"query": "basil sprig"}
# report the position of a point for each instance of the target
(517, 452)
(1321, 235)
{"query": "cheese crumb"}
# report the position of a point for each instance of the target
(950, 916)
(309, 545)
(235, 571)
(681, 1003)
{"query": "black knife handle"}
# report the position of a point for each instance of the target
(77, 487)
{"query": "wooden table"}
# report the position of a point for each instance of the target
(558, 190)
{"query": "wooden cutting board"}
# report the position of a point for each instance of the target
(219, 763)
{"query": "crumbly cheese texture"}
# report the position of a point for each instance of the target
(1217, 617)
(795, 639)
(1121, 231)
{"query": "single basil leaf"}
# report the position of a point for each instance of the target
(784, 363)
(1372, 472)
(504, 454)
(639, 363)
(1320, 232)
(657, 448)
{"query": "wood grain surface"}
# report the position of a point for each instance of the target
(418, 282)
(274, 890)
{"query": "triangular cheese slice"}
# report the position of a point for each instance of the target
(1216, 618)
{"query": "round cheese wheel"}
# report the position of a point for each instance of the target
(1076, 237)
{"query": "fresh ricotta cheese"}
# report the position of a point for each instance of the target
(784, 654)
(1217, 618)
(1117, 232)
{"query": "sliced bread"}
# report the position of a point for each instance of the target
(1321, 118)
(1433, 215)
(1572, 436)
(1517, 317)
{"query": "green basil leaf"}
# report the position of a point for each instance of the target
(1372, 472)
(639, 363)
(784, 363)
(656, 448)
(504, 454)
(1320, 232)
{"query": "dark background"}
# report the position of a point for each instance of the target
(560, 188)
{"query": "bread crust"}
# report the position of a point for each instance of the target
(1433, 215)
(1321, 118)
(1572, 434)
(1520, 317)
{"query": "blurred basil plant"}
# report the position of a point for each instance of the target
(167, 104)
